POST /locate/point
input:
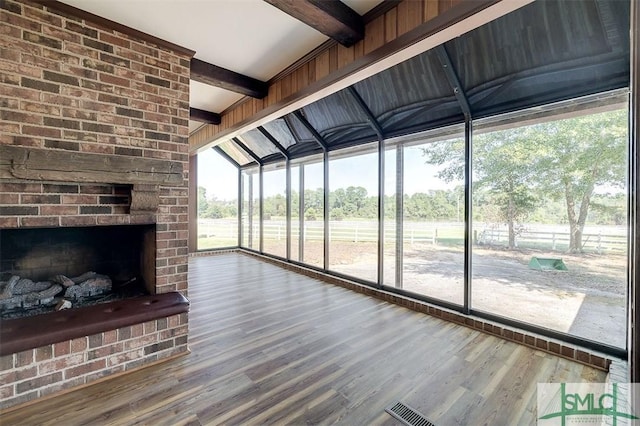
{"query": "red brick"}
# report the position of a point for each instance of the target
(124, 357)
(58, 364)
(44, 353)
(38, 382)
(9, 198)
(20, 21)
(79, 199)
(79, 345)
(40, 108)
(61, 100)
(9, 222)
(62, 348)
(109, 337)
(41, 15)
(78, 221)
(104, 351)
(112, 39)
(42, 221)
(6, 392)
(85, 368)
(41, 131)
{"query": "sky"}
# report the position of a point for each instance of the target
(220, 178)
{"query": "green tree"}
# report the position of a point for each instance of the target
(203, 203)
(577, 156)
(557, 160)
(502, 167)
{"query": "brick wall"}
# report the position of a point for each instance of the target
(72, 86)
(42, 371)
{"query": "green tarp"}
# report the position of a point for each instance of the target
(547, 264)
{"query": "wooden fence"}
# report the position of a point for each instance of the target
(606, 239)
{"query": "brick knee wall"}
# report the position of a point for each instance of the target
(42, 371)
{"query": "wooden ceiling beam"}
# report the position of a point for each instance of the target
(203, 116)
(214, 75)
(331, 17)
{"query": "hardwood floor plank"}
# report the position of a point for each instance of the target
(269, 346)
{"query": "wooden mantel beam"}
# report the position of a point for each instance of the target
(214, 75)
(331, 17)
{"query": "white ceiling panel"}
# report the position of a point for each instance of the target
(211, 98)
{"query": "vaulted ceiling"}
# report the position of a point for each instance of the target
(239, 44)
(546, 52)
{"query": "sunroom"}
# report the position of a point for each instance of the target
(488, 175)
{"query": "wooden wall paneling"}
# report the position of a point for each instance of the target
(374, 34)
(333, 59)
(312, 72)
(415, 14)
(247, 109)
(358, 50)
(322, 65)
(444, 5)
(285, 86)
(430, 10)
(302, 75)
(345, 56)
(403, 17)
(390, 25)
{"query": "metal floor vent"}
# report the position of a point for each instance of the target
(407, 415)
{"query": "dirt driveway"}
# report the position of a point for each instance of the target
(588, 300)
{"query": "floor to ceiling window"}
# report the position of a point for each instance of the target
(391, 204)
(313, 219)
(433, 218)
(275, 211)
(353, 215)
(550, 223)
(296, 190)
(250, 209)
(217, 204)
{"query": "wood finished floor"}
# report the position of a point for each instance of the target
(273, 347)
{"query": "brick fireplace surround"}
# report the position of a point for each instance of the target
(73, 89)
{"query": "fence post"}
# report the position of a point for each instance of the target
(553, 241)
(412, 236)
(434, 239)
(599, 246)
(356, 236)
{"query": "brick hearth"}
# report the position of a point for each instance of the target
(73, 87)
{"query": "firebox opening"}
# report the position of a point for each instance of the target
(121, 258)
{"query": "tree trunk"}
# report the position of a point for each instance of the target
(510, 220)
(573, 220)
(582, 216)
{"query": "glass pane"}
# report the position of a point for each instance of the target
(235, 152)
(255, 211)
(390, 199)
(246, 209)
(279, 130)
(353, 216)
(550, 224)
(433, 219)
(217, 204)
(295, 213)
(258, 143)
(275, 212)
(313, 230)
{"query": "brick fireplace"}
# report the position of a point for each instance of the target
(93, 134)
